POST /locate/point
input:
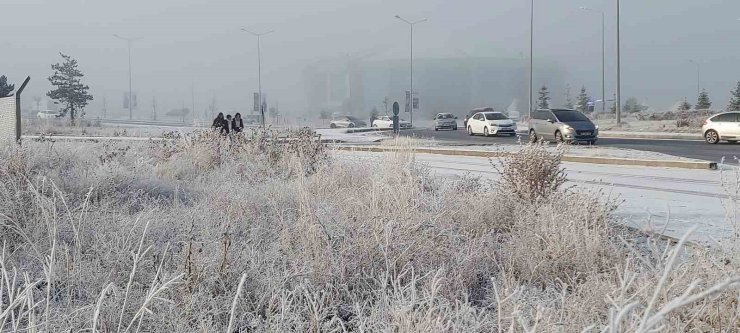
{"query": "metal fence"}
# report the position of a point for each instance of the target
(7, 120)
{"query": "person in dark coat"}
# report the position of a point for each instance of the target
(237, 124)
(218, 122)
(226, 125)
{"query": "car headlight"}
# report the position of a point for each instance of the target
(596, 127)
(568, 128)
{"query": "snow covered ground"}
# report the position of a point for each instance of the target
(662, 200)
(341, 135)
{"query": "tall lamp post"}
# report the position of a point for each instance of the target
(618, 102)
(698, 77)
(411, 91)
(130, 104)
(603, 56)
(259, 70)
(531, 59)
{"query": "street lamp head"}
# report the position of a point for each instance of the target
(584, 8)
(399, 17)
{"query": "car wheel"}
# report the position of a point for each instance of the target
(485, 132)
(333, 126)
(470, 130)
(351, 125)
(559, 137)
(512, 134)
(533, 136)
(436, 128)
(592, 142)
(454, 128)
(712, 137)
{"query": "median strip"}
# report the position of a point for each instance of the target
(703, 165)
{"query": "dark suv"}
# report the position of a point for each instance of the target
(562, 125)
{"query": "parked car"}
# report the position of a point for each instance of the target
(491, 123)
(722, 127)
(562, 125)
(347, 122)
(445, 120)
(387, 122)
(48, 114)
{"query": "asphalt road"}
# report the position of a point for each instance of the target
(684, 148)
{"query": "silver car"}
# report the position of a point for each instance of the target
(445, 121)
(562, 125)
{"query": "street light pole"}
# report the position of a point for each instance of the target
(130, 104)
(619, 68)
(698, 77)
(603, 56)
(531, 59)
(259, 70)
(411, 65)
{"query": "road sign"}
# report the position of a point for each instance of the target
(396, 110)
(408, 101)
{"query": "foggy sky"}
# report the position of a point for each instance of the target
(198, 43)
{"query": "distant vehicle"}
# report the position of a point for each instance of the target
(722, 127)
(347, 122)
(445, 121)
(491, 123)
(562, 125)
(387, 122)
(473, 112)
(48, 114)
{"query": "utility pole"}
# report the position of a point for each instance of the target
(130, 104)
(411, 65)
(259, 70)
(698, 77)
(603, 56)
(619, 69)
(154, 107)
(531, 59)
(105, 108)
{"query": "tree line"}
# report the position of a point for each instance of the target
(584, 102)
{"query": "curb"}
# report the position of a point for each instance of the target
(695, 165)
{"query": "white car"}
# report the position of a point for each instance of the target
(722, 127)
(491, 123)
(48, 114)
(387, 122)
(347, 122)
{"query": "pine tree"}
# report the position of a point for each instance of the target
(568, 100)
(543, 101)
(69, 89)
(735, 100)
(632, 105)
(685, 106)
(582, 100)
(5, 88)
(703, 102)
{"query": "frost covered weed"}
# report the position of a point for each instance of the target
(263, 234)
(533, 173)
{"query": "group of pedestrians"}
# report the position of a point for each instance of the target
(228, 124)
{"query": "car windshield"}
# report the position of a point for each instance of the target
(444, 116)
(495, 116)
(353, 119)
(568, 116)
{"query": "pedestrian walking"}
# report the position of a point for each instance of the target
(237, 124)
(226, 125)
(218, 122)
